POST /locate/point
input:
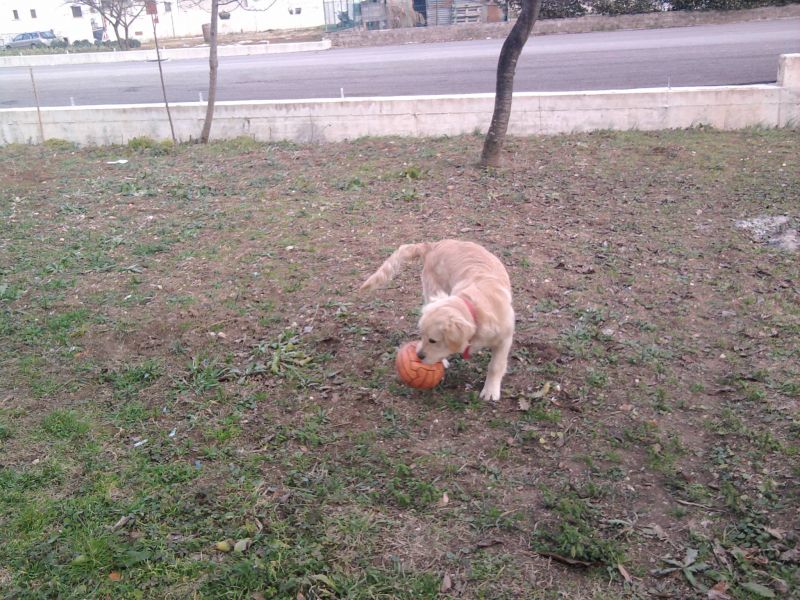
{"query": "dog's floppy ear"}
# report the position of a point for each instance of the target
(457, 333)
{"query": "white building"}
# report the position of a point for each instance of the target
(176, 18)
(180, 19)
(19, 16)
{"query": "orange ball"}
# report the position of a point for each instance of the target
(413, 372)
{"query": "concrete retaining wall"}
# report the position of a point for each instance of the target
(724, 107)
(39, 60)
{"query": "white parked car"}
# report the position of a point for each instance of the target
(33, 39)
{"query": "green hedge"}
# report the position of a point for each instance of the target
(564, 9)
(75, 47)
(726, 4)
(561, 9)
(624, 7)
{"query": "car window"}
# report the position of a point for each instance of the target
(34, 35)
(21, 36)
(48, 35)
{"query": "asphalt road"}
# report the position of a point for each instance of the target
(740, 53)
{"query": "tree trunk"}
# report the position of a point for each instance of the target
(212, 72)
(126, 27)
(115, 25)
(506, 66)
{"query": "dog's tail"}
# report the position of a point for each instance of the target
(393, 264)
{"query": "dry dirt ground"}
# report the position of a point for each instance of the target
(195, 402)
(310, 34)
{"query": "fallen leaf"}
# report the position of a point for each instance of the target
(542, 392)
(752, 555)
(242, 545)
(781, 586)
(487, 543)
(524, 404)
(776, 533)
(718, 592)
(115, 576)
(447, 584)
(721, 554)
(443, 501)
(223, 546)
(624, 572)
(792, 555)
(655, 530)
(121, 523)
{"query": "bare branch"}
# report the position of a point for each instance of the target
(244, 5)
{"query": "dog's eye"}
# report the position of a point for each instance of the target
(432, 341)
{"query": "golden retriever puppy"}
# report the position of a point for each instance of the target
(467, 306)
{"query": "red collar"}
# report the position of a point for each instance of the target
(474, 314)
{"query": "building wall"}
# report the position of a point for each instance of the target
(50, 14)
(177, 18)
(261, 15)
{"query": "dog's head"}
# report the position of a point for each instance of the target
(445, 330)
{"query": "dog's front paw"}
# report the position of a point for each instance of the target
(490, 393)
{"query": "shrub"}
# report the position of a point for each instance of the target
(59, 144)
(134, 43)
(724, 4)
(557, 9)
(623, 7)
(561, 9)
(154, 147)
